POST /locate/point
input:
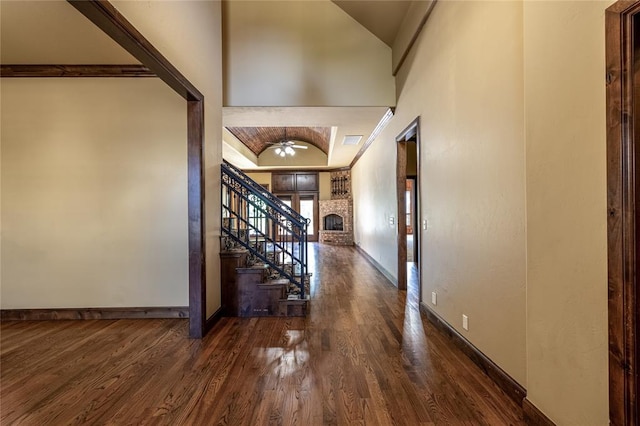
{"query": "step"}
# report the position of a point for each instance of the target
(278, 281)
(269, 293)
(294, 307)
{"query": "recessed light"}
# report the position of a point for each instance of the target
(351, 140)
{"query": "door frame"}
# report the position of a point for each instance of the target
(623, 194)
(107, 18)
(408, 134)
(316, 212)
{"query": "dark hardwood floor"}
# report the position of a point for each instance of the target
(363, 356)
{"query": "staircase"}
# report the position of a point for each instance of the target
(263, 250)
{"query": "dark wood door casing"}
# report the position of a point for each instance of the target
(411, 134)
(622, 25)
(314, 197)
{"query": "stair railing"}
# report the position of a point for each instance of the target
(271, 231)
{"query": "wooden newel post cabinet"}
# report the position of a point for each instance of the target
(230, 261)
(247, 293)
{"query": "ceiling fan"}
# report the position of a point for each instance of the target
(286, 146)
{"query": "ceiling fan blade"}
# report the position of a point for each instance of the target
(299, 146)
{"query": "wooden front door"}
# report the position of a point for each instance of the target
(307, 205)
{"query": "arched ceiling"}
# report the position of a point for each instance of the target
(257, 139)
(336, 123)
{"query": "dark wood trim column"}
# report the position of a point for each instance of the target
(197, 272)
(622, 197)
(106, 17)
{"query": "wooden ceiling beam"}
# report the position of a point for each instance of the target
(106, 17)
(45, 71)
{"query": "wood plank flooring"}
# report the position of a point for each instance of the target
(363, 356)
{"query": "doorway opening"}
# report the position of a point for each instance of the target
(410, 222)
(408, 202)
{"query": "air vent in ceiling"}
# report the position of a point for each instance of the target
(351, 140)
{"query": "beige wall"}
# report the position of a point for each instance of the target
(325, 186)
(566, 210)
(512, 81)
(374, 202)
(410, 24)
(464, 80)
(263, 178)
(188, 33)
(93, 202)
(302, 53)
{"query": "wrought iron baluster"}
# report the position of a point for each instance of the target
(258, 221)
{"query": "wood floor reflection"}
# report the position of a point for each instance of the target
(363, 356)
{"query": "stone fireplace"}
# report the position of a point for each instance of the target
(336, 221)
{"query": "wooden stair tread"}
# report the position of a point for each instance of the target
(294, 307)
(257, 267)
(268, 285)
(235, 251)
(294, 301)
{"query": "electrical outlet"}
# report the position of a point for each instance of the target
(392, 220)
(465, 322)
(434, 300)
(424, 224)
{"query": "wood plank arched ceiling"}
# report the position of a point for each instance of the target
(257, 139)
